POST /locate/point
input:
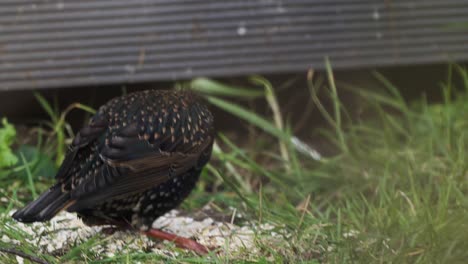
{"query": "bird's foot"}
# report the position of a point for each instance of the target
(181, 242)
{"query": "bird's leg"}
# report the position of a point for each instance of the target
(109, 226)
(181, 242)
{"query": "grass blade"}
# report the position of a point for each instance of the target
(210, 87)
(248, 116)
(277, 117)
(46, 106)
(32, 187)
(336, 105)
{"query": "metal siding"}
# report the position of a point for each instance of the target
(47, 44)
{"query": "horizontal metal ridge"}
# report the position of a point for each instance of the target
(54, 43)
(191, 64)
(36, 30)
(133, 56)
(121, 47)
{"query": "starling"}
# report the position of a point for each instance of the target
(139, 157)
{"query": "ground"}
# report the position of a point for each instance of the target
(394, 188)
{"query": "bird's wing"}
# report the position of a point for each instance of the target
(85, 136)
(132, 165)
(58, 196)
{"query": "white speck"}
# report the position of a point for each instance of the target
(148, 208)
(351, 233)
(281, 9)
(60, 6)
(19, 259)
(241, 30)
(305, 148)
(4, 199)
(130, 69)
(5, 239)
(267, 226)
(378, 35)
(376, 14)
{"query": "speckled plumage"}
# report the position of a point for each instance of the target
(138, 158)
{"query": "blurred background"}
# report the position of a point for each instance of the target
(342, 124)
(88, 50)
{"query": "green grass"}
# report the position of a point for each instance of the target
(395, 192)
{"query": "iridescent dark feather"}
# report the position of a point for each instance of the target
(139, 157)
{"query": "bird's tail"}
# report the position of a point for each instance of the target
(45, 207)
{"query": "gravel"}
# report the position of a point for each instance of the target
(65, 231)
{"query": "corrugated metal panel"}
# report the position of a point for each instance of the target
(69, 43)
